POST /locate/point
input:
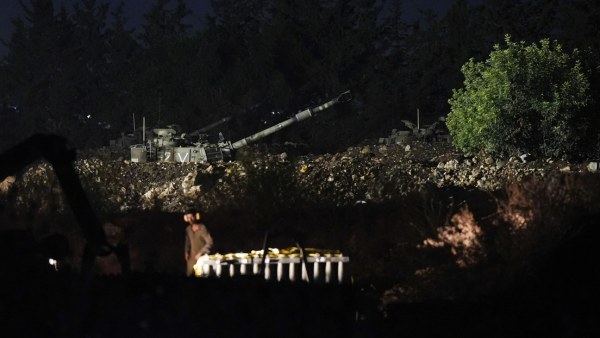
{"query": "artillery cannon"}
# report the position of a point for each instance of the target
(159, 146)
(204, 151)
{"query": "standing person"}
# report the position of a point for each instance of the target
(198, 240)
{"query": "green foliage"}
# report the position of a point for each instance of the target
(523, 98)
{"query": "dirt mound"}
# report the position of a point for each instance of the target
(419, 221)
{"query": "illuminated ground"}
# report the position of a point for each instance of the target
(431, 253)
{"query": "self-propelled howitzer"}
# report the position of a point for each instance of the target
(211, 152)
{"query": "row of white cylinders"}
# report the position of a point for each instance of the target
(207, 268)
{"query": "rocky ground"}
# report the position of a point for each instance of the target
(372, 174)
(420, 221)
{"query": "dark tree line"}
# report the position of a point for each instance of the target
(73, 71)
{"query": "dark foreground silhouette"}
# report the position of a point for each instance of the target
(153, 305)
(562, 300)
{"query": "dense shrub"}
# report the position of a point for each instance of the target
(523, 98)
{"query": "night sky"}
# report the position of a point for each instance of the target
(135, 10)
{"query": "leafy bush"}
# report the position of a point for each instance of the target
(523, 98)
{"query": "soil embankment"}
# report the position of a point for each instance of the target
(420, 222)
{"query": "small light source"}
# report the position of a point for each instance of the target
(54, 263)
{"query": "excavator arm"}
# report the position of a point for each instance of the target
(54, 149)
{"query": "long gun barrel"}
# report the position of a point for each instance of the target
(303, 115)
(210, 126)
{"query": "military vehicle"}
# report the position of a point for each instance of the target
(152, 148)
(170, 135)
(397, 137)
(166, 147)
(434, 132)
(427, 132)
